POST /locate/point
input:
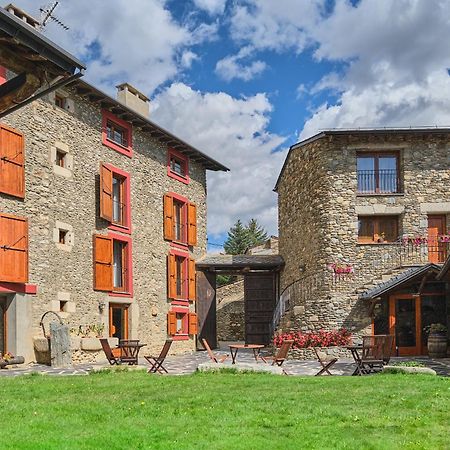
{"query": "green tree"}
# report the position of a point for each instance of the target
(256, 233)
(241, 237)
(237, 241)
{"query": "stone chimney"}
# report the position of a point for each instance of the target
(22, 15)
(134, 99)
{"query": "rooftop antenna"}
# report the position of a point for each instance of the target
(47, 15)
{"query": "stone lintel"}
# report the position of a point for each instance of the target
(377, 210)
(438, 207)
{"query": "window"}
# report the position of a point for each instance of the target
(377, 229)
(178, 166)
(115, 204)
(63, 234)
(180, 220)
(60, 158)
(62, 306)
(12, 159)
(181, 323)
(113, 264)
(60, 101)
(378, 173)
(181, 276)
(13, 249)
(117, 134)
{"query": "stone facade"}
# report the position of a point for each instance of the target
(319, 205)
(231, 312)
(64, 272)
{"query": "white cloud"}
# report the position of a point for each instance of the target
(230, 68)
(397, 77)
(211, 6)
(233, 131)
(139, 41)
(187, 58)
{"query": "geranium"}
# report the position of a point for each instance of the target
(319, 338)
(340, 268)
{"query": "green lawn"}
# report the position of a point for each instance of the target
(225, 411)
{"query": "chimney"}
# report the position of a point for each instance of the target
(131, 97)
(22, 15)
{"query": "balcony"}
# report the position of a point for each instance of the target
(383, 181)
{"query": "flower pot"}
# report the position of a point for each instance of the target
(437, 345)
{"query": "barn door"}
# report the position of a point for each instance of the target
(259, 300)
(206, 308)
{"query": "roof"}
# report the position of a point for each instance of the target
(130, 115)
(444, 269)
(23, 35)
(230, 262)
(398, 280)
(358, 131)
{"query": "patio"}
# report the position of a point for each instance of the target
(188, 363)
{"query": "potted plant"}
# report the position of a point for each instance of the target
(437, 340)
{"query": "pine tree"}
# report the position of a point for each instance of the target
(237, 241)
(256, 233)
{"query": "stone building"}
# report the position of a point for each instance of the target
(102, 216)
(363, 227)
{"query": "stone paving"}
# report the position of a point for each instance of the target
(188, 363)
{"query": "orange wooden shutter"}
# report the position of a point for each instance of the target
(191, 276)
(106, 201)
(12, 160)
(171, 277)
(171, 323)
(193, 323)
(169, 231)
(103, 259)
(192, 224)
(13, 249)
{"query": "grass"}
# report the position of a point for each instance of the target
(225, 411)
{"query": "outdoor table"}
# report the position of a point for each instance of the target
(129, 351)
(354, 349)
(235, 347)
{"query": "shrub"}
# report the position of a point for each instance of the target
(320, 338)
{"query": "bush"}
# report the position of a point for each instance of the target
(320, 338)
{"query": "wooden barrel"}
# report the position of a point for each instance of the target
(437, 345)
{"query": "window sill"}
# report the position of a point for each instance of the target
(127, 151)
(21, 288)
(180, 302)
(180, 245)
(375, 194)
(180, 337)
(178, 177)
(120, 294)
(121, 228)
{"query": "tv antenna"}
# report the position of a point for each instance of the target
(47, 15)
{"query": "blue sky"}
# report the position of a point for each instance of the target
(242, 80)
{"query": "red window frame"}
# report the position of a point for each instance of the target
(184, 160)
(183, 244)
(128, 292)
(126, 226)
(184, 335)
(2, 75)
(184, 298)
(127, 127)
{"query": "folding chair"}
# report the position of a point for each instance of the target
(156, 362)
(326, 361)
(279, 358)
(213, 357)
(109, 353)
(372, 357)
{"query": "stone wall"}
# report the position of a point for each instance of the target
(318, 220)
(231, 312)
(67, 273)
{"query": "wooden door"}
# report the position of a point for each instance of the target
(405, 324)
(436, 227)
(259, 300)
(206, 308)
